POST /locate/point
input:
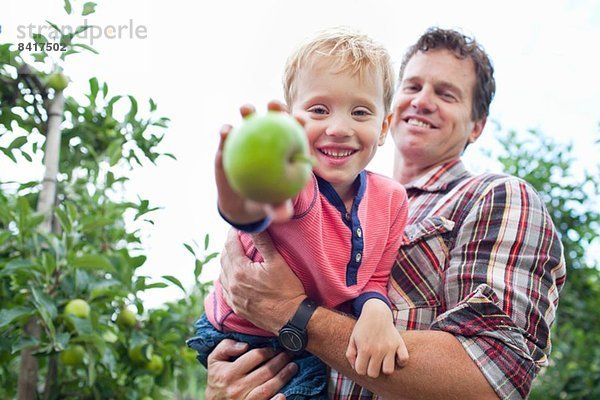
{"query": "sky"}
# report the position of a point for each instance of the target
(199, 61)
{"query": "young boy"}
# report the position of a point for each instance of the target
(340, 84)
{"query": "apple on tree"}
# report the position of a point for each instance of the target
(78, 308)
(126, 318)
(72, 355)
(58, 81)
(267, 158)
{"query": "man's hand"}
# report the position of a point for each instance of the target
(375, 344)
(243, 378)
(266, 293)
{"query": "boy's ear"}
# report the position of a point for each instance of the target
(385, 125)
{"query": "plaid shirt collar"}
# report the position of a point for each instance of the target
(440, 177)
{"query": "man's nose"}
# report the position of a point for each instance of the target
(424, 100)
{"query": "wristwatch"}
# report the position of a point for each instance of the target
(293, 337)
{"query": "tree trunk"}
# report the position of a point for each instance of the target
(28, 374)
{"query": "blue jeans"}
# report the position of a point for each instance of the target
(308, 383)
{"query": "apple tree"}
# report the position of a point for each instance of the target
(72, 322)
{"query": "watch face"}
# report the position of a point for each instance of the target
(291, 340)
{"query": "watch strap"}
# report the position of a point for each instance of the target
(303, 314)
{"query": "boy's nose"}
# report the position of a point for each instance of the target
(339, 126)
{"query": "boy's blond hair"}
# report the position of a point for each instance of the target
(348, 50)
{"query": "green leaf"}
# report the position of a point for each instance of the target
(189, 248)
(115, 152)
(152, 105)
(93, 261)
(133, 111)
(106, 287)
(93, 90)
(7, 316)
(157, 285)
(174, 280)
(55, 27)
(18, 142)
(39, 38)
(4, 235)
(88, 8)
(86, 47)
(9, 154)
(40, 57)
(63, 219)
(104, 90)
(206, 241)
(46, 308)
(137, 262)
(26, 156)
(24, 343)
(68, 7)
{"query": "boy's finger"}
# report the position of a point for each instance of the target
(389, 362)
(246, 110)
(276, 105)
(402, 356)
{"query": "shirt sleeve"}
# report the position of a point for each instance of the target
(377, 285)
(502, 284)
(301, 203)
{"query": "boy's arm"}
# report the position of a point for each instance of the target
(370, 353)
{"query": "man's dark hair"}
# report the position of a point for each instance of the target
(462, 47)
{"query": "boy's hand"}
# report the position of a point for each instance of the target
(375, 344)
(235, 207)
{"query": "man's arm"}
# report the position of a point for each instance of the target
(268, 294)
(438, 368)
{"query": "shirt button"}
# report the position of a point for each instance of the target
(347, 216)
(357, 257)
(358, 232)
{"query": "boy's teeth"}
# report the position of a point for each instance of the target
(419, 123)
(337, 153)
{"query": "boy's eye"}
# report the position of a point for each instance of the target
(361, 112)
(318, 110)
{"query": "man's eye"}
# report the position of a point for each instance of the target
(410, 89)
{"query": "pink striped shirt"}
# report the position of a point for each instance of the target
(343, 258)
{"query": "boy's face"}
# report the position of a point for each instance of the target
(345, 119)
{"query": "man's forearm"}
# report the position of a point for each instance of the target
(438, 366)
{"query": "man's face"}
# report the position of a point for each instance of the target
(432, 109)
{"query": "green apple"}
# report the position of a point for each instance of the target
(140, 354)
(267, 158)
(58, 81)
(155, 365)
(78, 308)
(72, 355)
(126, 318)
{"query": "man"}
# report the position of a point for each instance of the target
(476, 281)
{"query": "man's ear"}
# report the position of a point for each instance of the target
(476, 130)
(385, 126)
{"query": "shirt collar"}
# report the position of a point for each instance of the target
(331, 195)
(440, 177)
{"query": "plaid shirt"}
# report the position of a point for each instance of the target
(480, 259)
